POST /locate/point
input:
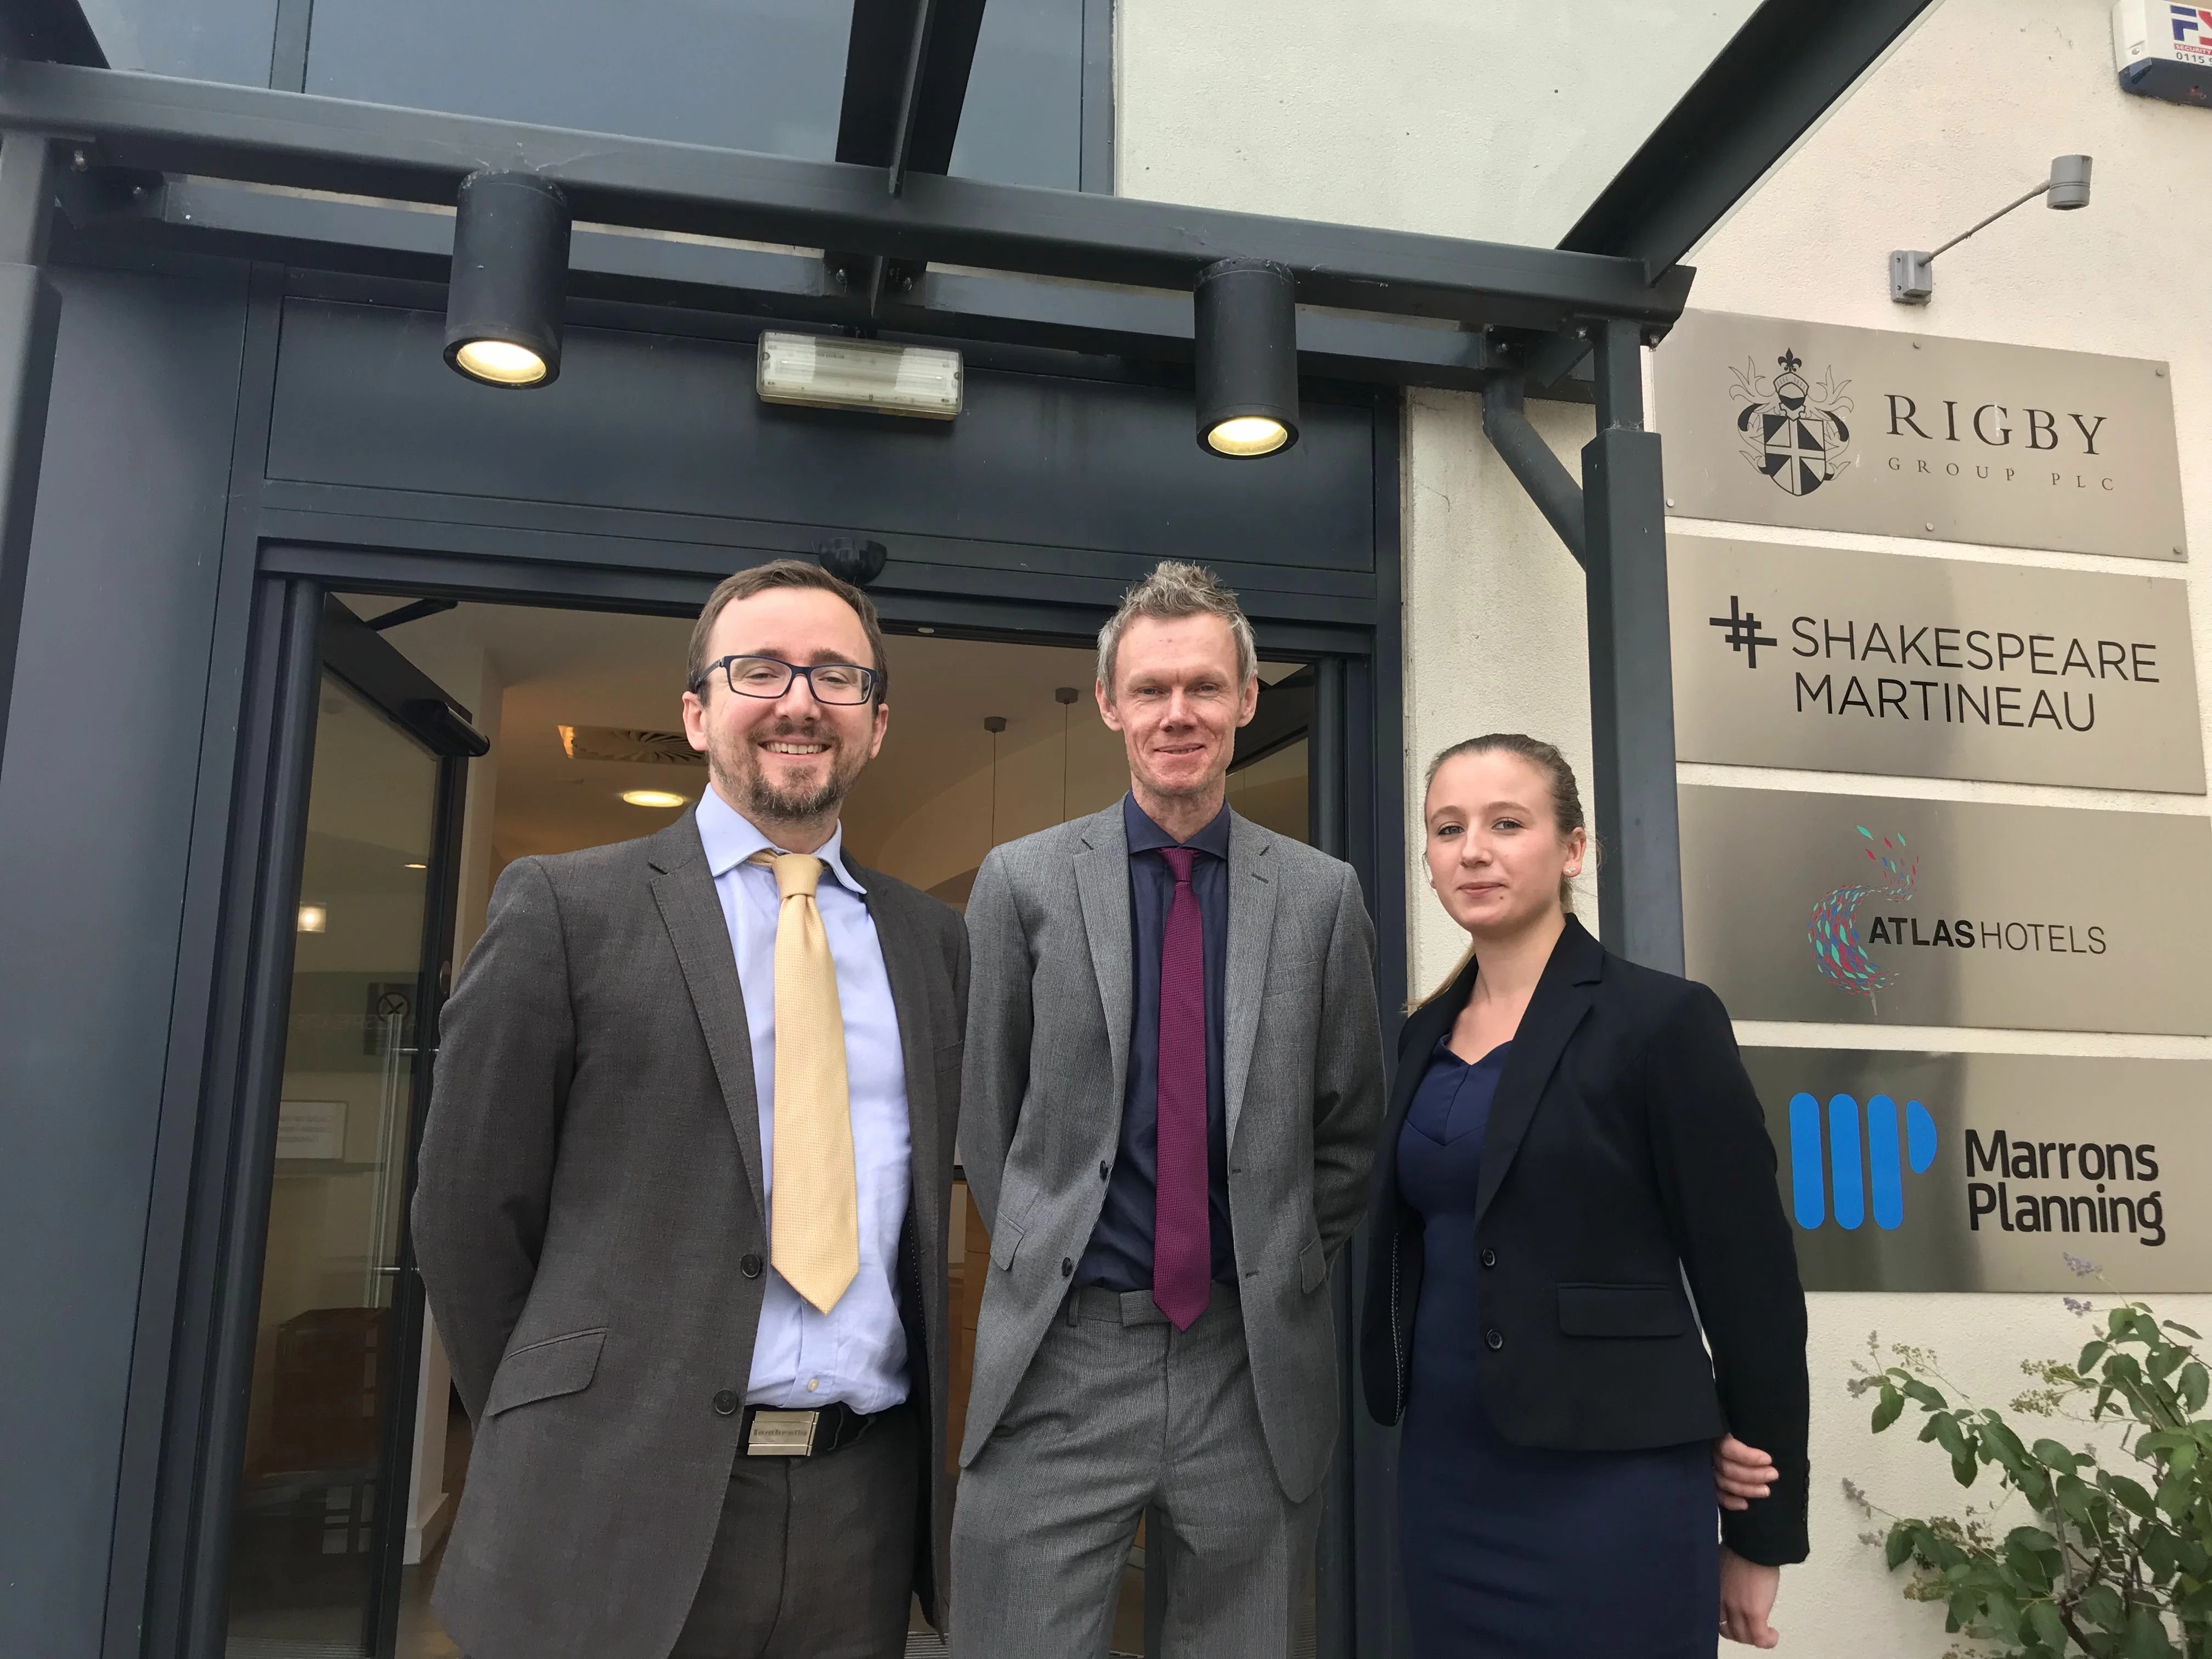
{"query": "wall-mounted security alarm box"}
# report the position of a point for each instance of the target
(2163, 49)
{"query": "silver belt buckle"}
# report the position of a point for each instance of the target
(783, 1434)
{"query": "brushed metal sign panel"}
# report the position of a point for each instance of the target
(1918, 1171)
(1880, 662)
(1826, 427)
(1850, 908)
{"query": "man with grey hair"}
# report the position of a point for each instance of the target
(1174, 1080)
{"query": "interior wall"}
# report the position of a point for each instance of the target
(1964, 115)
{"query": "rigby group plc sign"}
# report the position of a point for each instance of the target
(1907, 1170)
(1826, 428)
(1845, 661)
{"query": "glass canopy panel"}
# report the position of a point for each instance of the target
(198, 40)
(757, 75)
(1499, 122)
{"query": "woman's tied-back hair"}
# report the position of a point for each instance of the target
(1567, 805)
(1174, 590)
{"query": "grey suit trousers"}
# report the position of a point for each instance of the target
(1119, 1411)
(813, 1559)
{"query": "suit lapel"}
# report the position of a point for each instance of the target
(1562, 998)
(692, 912)
(1251, 931)
(1102, 884)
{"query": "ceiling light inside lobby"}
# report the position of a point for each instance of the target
(1245, 327)
(510, 272)
(661, 797)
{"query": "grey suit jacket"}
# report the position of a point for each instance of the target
(588, 1200)
(1049, 1032)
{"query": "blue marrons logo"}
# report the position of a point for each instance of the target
(1855, 1164)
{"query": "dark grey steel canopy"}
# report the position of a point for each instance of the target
(140, 162)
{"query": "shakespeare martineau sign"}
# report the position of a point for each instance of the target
(1826, 428)
(1842, 661)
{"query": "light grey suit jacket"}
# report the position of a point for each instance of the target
(590, 1227)
(1049, 1020)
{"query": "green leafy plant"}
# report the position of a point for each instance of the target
(2115, 1562)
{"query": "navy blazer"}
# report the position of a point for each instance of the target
(1625, 1150)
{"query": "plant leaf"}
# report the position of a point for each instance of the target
(2100, 1606)
(1888, 1408)
(2195, 1383)
(2129, 1492)
(2043, 1619)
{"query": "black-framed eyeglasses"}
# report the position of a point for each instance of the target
(837, 682)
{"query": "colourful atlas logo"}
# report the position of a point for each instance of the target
(1856, 1167)
(1834, 931)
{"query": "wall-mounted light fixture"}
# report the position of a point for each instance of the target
(1912, 273)
(1246, 330)
(510, 270)
(828, 371)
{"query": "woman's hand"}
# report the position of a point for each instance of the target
(1747, 1597)
(1740, 1472)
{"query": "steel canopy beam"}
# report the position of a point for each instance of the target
(255, 134)
(1790, 63)
(906, 83)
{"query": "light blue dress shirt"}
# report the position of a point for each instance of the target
(855, 1352)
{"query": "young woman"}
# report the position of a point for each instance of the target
(1570, 1140)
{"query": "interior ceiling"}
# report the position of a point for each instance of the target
(605, 669)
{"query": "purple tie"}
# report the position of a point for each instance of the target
(1182, 1246)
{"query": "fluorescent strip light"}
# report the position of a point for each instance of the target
(830, 371)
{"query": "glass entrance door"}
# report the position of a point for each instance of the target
(317, 1526)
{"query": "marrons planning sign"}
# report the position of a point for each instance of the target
(1845, 661)
(1826, 427)
(1849, 908)
(1916, 1171)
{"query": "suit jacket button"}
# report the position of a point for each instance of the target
(751, 1266)
(1495, 1338)
(1105, 1169)
(1489, 1258)
(725, 1403)
(1068, 1267)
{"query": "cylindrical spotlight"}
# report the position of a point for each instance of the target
(1247, 328)
(510, 268)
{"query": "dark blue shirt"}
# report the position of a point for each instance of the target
(1120, 1256)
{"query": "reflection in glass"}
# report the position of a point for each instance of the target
(305, 1541)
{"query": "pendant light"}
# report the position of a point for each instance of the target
(510, 270)
(1246, 329)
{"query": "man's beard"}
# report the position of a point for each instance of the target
(735, 766)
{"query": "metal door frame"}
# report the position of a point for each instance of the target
(234, 1180)
(1357, 819)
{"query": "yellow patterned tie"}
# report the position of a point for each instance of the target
(814, 1234)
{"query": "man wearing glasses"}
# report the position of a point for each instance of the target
(683, 1188)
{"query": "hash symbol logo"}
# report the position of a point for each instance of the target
(1794, 431)
(1743, 633)
(1878, 1162)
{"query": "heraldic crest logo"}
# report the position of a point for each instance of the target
(1792, 431)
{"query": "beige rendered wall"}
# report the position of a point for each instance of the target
(1299, 111)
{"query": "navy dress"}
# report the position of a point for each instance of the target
(1514, 1552)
